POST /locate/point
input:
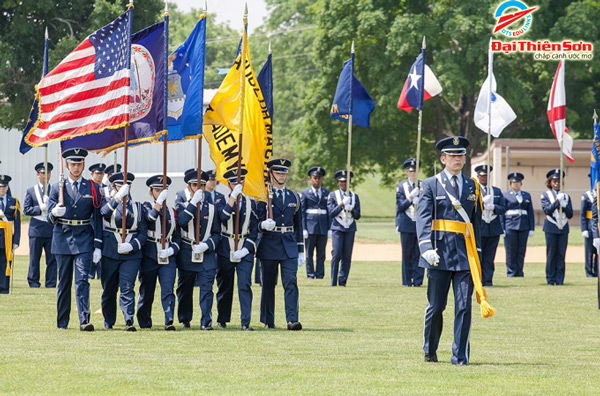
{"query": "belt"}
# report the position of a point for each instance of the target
(226, 235)
(316, 211)
(466, 229)
(127, 232)
(74, 222)
(516, 212)
(588, 214)
(283, 229)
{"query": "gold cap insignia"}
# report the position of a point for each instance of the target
(76, 151)
(282, 162)
(456, 141)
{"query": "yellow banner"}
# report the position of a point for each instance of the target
(7, 226)
(222, 125)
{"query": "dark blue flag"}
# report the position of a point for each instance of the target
(595, 158)
(361, 103)
(265, 81)
(146, 107)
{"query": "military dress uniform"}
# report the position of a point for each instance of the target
(316, 221)
(205, 268)
(447, 199)
(591, 255)
(229, 266)
(214, 197)
(490, 226)
(40, 232)
(406, 208)
(96, 270)
(519, 225)
(121, 261)
(343, 230)
(154, 266)
(10, 212)
(76, 238)
(556, 228)
(280, 246)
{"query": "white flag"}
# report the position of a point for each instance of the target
(501, 112)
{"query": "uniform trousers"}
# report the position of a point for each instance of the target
(289, 270)
(489, 245)
(556, 249)
(412, 274)
(4, 280)
(165, 274)
(185, 294)
(591, 258)
(225, 282)
(515, 243)
(318, 242)
(36, 245)
(67, 265)
(118, 275)
(342, 243)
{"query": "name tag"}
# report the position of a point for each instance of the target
(440, 197)
(206, 217)
(86, 196)
(527, 200)
(292, 205)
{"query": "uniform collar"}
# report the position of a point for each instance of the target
(449, 175)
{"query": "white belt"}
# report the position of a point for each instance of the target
(316, 211)
(516, 212)
(41, 218)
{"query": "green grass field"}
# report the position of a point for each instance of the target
(362, 339)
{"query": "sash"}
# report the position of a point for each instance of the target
(410, 212)
(7, 226)
(556, 218)
(113, 224)
(38, 196)
(157, 233)
(345, 217)
(229, 228)
(190, 234)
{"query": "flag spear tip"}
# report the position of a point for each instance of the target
(270, 48)
(423, 42)
(166, 7)
(246, 10)
(352, 49)
(595, 117)
(206, 6)
(46, 34)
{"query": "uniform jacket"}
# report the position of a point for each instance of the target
(186, 213)
(70, 239)
(113, 211)
(315, 217)
(154, 235)
(38, 225)
(551, 210)
(218, 197)
(523, 222)
(227, 216)
(451, 247)
(405, 208)
(586, 208)
(334, 210)
(12, 214)
(276, 245)
(494, 228)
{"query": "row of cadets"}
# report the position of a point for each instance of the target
(97, 172)
(316, 222)
(40, 230)
(10, 216)
(591, 254)
(407, 198)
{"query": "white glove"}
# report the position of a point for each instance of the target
(240, 254)
(489, 206)
(162, 197)
(198, 195)
(268, 225)
(15, 246)
(431, 257)
(348, 207)
(531, 233)
(168, 252)
(596, 244)
(346, 201)
(563, 202)
(200, 248)
(124, 248)
(415, 200)
(561, 196)
(237, 190)
(415, 192)
(44, 205)
(329, 234)
(488, 199)
(59, 211)
(123, 192)
(300, 260)
(305, 234)
(97, 256)
(585, 234)
(1, 213)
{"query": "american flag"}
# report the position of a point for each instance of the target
(89, 90)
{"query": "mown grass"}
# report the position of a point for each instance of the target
(362, 339)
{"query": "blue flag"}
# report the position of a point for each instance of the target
(360, 102)
(265, 81)
(595, 158)
(186, 85)
(146, 107)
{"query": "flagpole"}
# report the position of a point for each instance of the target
(270, 184)
(489, 135)
(596, 187)
(199, 170)
(44, 72)
(348, 163)
(165, 124)
(126, 142)
(419, 125)
(562, 159)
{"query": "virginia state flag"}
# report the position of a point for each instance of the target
(146, 107)
(595, 158)
(361, 102)
(420, 85)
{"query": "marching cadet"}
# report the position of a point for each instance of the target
(315, 219)
(158, 263)
(10, 212)
(214, 196)
(591, 255)
(344, 210)
(558, 208)
(121, 260)
(231, 260)
(519, 224)
(448, 199)
(97, 176)
(196, 260)
(107, 189)
(407, 197)
(494, 206)
(76, 238)
(184, 196)
(40, 231)
(281, 245)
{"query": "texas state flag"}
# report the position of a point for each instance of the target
(419, 86)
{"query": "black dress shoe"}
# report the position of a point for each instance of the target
(269, 326)
(129, 326)
(295, 326)
(431, 358)
(185, 325)
(343, 284)
(221, 325)
(169, 327)
(62, 328)
(247, 328)
(86, 327)
(208, 328)
(108, 327)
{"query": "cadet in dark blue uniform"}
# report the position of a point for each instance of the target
(213, 195)
(121, 261)
(494, 206)
(449, 198)
(184, 196)
(97, 175)
(344, 210)
(558, 208)
(10, 212)
(231, 260)
(519, 224)
(407, 197)
(281, 245)
(315, 219)
(158, 263)
(196, 260)
(40, 231)
(591, 254)
(76, 238)
(107, 189)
